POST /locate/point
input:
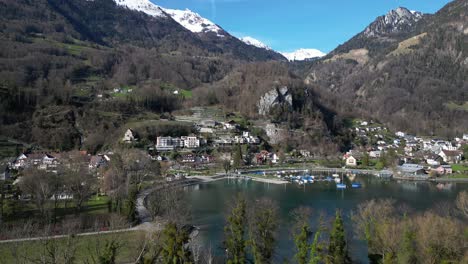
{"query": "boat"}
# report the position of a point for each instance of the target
(335, 175)
(337, 180)
(356, 185)
(341, 186)
(329, 179)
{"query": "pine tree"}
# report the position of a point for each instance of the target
(235, 233)
(302, 245)
(174, 249)
(315, 255)
(365, 159)
(262, 231)
(337, 249)
(238, 162)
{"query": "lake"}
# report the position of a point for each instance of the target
(210, 202)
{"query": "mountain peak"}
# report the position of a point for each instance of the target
(255, 42)
(303, 54)
(395, 21)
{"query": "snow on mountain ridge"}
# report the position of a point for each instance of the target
(194, 22)
(303, 54)
(255, 42)
(186, 18)
(144, 6)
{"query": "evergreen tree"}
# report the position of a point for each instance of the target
(365, 159)
(238, 162)
(235, 232)
(262, 233)
(174, 250)
(315, 254)
(337, 249)
(302, 245)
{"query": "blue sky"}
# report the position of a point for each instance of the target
(287, 25)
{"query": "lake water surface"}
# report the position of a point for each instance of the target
(210, 202)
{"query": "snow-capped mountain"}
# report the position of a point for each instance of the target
(194, 22)
(186, 18)
(395, 21)
(144, 6)
(255, 42)
(303, 54)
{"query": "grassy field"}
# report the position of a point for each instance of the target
(455, 106)
(27, 209)
(87, 248)
(459, 167)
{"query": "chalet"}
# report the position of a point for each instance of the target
(351, 161)
(375, 154)
(442, 169)
(38, 160)
(451, 156)
(129, 136)
(265, 156)
(230, 125)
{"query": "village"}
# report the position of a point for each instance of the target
(374, 147)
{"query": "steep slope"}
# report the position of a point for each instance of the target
(62, 61)
(410, 72)
(385, 31)
(207, 31)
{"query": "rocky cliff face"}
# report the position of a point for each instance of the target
(278, 96)
(395, 21)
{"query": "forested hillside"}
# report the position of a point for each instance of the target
(61, 61)
(413, 79)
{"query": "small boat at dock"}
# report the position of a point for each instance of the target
(341, 186)
(356, 185)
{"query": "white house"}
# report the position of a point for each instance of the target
(400, 134)
(450, 156)
(375, 153)
(465, 136)
(351, 161)
(129, 136)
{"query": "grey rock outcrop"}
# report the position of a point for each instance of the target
(395, 21)
(278, 96)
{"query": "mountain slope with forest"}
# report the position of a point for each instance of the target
(58, 56)
(411, 76)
